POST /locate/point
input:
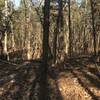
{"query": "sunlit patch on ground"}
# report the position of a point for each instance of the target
(71, 90)
(73, 85)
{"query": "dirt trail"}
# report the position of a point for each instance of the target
(73, 80)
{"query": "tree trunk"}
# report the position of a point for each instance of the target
(5, 34)
(93, 27)
(29, 36)
(5, 43)
(44, 68)
(25, 19)
(70, 34)
(59, 25)
(12, 37)
(61, 14)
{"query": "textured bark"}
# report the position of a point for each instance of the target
(93, 27)
(5, 34)
(70, 35)
(43, 69)
(59, 26)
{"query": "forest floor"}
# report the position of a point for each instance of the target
(76, 79)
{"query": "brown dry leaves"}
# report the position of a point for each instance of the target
(71, 90)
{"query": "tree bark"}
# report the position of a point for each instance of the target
(44, 67)
(5, 33)
(93, 27)
(70, 35)
(59, 26)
